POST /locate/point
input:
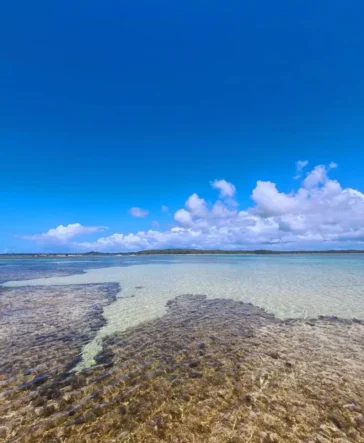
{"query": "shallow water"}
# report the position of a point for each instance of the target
(151, 350)
(288, 286)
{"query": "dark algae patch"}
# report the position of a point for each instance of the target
(42, 332)
(208, 371)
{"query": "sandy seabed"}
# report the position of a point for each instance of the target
(209, 370)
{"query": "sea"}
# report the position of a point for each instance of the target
(86, 301)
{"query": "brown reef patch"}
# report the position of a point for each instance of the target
(42, 331)
(208, 371)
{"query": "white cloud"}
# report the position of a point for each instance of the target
(300, 165)
(155, 224)
(63, 234)
(226, 189)
(164, 208)
(316, 177)
(219, 210)
(269, 201)
(184, 218)
(196, 206)
(138, 212)
(319, 214)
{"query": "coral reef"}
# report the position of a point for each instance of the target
(208, 371)
(42, 332)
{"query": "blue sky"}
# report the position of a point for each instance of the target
(106, 107)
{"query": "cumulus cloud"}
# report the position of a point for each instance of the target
(184, 218)
(164, 208)
(219, 210)
(138, 212)
(63, 234)
(269, 201)
(320, 213)
(196, 206)
(226, 189)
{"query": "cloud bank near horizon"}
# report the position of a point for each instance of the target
(63, 234)
(320, 214)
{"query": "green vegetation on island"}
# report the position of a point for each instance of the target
(173, 251)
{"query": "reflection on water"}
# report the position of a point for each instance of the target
(185, 368)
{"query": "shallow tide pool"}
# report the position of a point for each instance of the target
(290, 286)
(204, 349)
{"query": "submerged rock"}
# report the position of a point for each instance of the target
(37, 381)
(208, 371)
(3, 432)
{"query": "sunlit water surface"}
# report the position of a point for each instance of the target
(288, 286)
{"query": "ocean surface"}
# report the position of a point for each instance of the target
(88, 301)
(289, 286)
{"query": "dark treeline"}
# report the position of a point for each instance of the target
(174, 252)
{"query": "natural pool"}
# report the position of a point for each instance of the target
(121, 353)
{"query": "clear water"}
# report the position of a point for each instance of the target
(288, 286)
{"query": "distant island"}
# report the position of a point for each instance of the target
(173, 252)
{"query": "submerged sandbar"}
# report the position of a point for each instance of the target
(288, 292)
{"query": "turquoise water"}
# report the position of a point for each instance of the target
(287, 285)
